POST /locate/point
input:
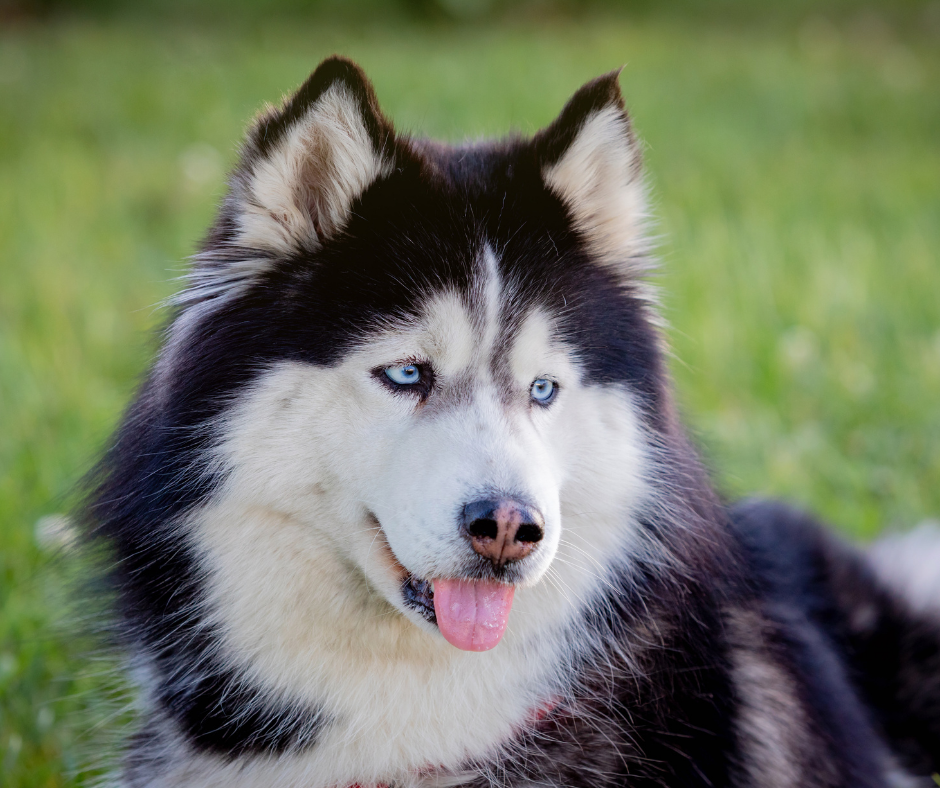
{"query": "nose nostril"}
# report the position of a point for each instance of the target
(483, 528)
(529, 532)
(502, 530)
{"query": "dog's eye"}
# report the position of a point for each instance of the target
(406, 375)
(412, 378)
(543, 391)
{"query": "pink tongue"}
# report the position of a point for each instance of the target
(472, 614)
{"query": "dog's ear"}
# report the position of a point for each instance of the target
(304, 164)
(590, 159)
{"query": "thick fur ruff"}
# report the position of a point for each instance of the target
(383, 334)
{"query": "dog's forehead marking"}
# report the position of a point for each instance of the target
(477, 339)
(451, 338)
(531, 344)
(492, 300)
(462, 332)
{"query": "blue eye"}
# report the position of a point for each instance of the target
(542, 391)
(414, 379)
(406, 375)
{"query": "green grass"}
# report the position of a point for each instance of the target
(796, 176)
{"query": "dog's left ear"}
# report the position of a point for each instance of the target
(590, 158)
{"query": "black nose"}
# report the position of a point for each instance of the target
(502, 531)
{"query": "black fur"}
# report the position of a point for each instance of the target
(889, 655)
(657, 703)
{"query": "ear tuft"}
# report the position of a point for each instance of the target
(595, 96)
(303, 165)
(334, 72)
(590, 159)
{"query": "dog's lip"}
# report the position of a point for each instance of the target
(418, 594)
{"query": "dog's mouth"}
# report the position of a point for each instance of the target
(471, 614)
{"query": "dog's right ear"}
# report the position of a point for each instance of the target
(305, 163)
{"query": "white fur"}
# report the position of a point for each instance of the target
(910, 564)
(338, 487)
(492, 298)
(599, 179)
(216, 277)
(771, 721)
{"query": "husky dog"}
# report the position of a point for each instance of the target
(404, 500)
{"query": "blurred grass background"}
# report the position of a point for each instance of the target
(794, 158)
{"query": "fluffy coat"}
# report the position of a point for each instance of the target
(277, 510)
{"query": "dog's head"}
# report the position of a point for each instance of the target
(436, 363)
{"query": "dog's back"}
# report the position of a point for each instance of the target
(875, 617)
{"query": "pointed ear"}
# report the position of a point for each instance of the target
(590, 158)
(304, 164)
